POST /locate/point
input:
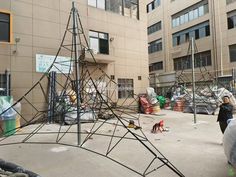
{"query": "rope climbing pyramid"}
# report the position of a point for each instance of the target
(82, 110)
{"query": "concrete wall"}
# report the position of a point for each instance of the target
(40, 26)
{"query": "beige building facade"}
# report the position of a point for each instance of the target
(171, 25)
(116, 31)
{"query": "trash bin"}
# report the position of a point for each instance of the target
(162, 101)
(1, 127)
(9, 127)
(7, 115)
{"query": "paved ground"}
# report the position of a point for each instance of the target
(195, 150)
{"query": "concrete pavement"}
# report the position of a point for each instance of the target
(195, 150)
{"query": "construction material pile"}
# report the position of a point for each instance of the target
(207, 100)
(150, 103)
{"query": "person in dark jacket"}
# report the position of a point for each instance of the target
(225, 113)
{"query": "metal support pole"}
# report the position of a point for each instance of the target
(77, 74)
(7, 76)
(232, 81)
(193, 80)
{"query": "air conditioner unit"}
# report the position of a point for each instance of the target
(92, 51)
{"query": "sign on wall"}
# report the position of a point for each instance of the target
(61, 65)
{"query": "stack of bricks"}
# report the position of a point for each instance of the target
(179, 106)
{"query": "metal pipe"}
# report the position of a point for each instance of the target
(193, 80)
(221, 43)
(7, 76)
(77, 74)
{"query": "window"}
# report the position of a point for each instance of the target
(195, 13)
(206, 8)
(97, 3)
(182, 63)
(201, 10)
(187, 37)
(156, 66)
(186, 17)
(177, 21)
(191, 13)
(230, 1)
(231, 19)
(154, 28)
(5, 27)
(182, 19)
(152, 5)
(125, 88)
(192, 34)
(174, 22)
(232, 52)
(134, 9)
(155, 46)
(196, 32)
(178, 40)
(99, 42)
(157, 3)
(182, 39)
(202, 32)
(92, 3)
(200, 60)
(131, 8)
(174, 41)
(114, 6)
(128, 8)
(207, 30)
(101, 4)
(230, 22)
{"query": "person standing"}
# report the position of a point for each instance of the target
(225, 113)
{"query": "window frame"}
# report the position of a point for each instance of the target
(107, 7)
(10, 27)
(125, 82)
(98, 7)
(191, 13)
(154, 4)
(99, 38)
(230, 58)
(157, 66)
(182, 19)
(185, 35)
(201, 59)
(195, 13)
(154, 28)
(201, 13)
(155, 46)
(230, 1)
(231, 19)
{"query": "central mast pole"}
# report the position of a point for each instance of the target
(193, 80)
(77, 73)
